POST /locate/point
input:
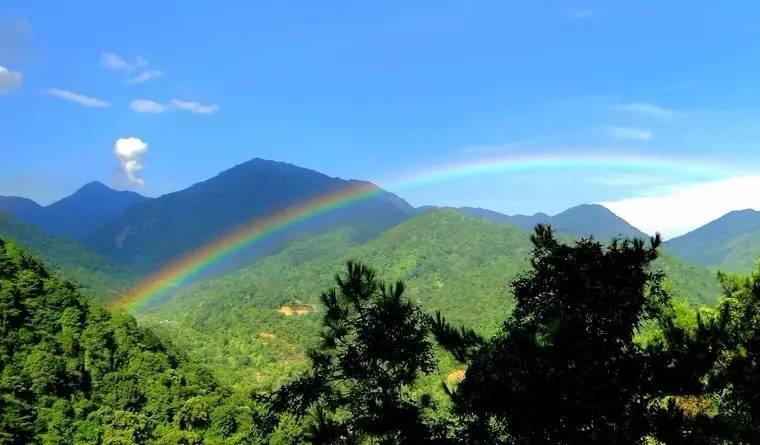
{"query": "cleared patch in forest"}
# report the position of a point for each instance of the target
(294, 310)
(455, 376)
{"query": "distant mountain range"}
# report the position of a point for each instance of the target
(143, 233)
(164, 228)
(583, 220)
(76, 215)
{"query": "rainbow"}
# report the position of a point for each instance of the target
(179, 271)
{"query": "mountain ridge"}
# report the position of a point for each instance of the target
(176, 223)
(75, 215)
(581, 220)
(730, 242)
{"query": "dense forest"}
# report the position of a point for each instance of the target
(591, 348)
(72, 371)
(450, 262)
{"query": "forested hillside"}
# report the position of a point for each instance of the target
(71, 371)
(730, 243)
(93, 274)
(253, 326)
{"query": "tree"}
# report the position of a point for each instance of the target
(374, 345)
(736, 378)
(72, 371)
(566, 367)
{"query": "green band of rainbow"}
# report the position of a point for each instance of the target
(180, 270)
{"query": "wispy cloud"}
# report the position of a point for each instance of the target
(647, 109)
(194, 107)
(627, 133)
(145, 76)
(115, 62)
(685, 207)
(150, 106)
(9, 80)
(81, 99)
(147, 106)
(129, 151)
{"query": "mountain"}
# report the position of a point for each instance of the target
(75, 372)
(582, 220)
(165, 228)
(95, 275)
(731, 242)
(74, 216)
(90, 207)
(253, 325)
(21, 208)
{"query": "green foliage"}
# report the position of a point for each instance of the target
(449, 262)
(566, 367)
(73, 372)
(374, 345)
(735, 382)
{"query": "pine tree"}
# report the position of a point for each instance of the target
(374, 346)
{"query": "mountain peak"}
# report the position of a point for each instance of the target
(98, 189)
(596, 220)
(729, 242)
(581, 220)
(94, 185)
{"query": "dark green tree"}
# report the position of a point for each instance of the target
(736, 380)
(374, 346)
(566, 367)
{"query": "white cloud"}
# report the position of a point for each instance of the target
(194, 107)
(150, 106)
(145, 76)
(129, 151)
(81, 99)
(115, 62)
(647, 109)
(147, 106)
(628, 133)
(9, 80)
(686, 207)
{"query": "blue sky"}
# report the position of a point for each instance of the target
(370, 89)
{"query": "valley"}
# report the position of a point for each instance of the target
(251, 317)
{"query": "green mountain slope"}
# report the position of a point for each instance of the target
(247, 324)
(95, 275)
(730, 243)
(161, 229)
(73, 372)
